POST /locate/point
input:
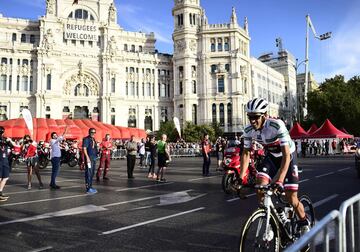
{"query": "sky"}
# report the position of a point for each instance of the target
(267, 19)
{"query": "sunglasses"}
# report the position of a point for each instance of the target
(92, 132)
(254, 117)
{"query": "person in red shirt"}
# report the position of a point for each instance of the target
(105, 147)
(206, 149)
(31, 158)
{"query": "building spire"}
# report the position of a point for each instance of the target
(246, 24)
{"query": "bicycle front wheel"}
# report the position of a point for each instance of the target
(254, 237)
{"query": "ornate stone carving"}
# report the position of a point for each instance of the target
(84, 80)
(3, 68)
(180, 45)
(112, 47)
(192, 45)
(50, 7)
(112, 13)
(48, 40)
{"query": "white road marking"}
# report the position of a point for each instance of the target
(323, 175)
(140, 187)
(304, 180)
(344, 169)
(194, 179)
(67, 212)
(323, 201)
(234, 199)
(60, 181)
(151, 221)
(136, 200)
(41, 249)
(40, 190)
(44, 200)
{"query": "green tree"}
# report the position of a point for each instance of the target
(169, 129)
(338, 101)
(195, 133)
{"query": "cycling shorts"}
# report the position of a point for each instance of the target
(270, 166)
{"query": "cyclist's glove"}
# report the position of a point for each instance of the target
(278, 186)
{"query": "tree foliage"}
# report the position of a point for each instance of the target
(337, 100)
(194, 133)
(169, 129)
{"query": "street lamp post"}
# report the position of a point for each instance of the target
(299, 94)
(321, 37)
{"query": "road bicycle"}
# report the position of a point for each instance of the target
(273, 226)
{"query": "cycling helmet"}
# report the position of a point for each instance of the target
(257, 105)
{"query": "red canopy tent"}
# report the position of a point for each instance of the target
(328, 130)
(312, 129)
(297, 132)
(76, 129)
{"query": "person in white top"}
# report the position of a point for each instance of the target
(280, 165)
(55, 157)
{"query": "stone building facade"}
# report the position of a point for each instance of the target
(76, 61)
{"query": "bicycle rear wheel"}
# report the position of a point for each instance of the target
(253, 236)
(309, 209)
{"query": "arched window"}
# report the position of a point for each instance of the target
(220, 45)
(214, 113)
(81, 14)
(226, 44)
(112, 85)
(3, 78)
(229, 114)
(48, 82)
(162, 90)
(194, 114)
(148, 123)
(24, 83)
(222, 114)
(221, 85)
(212, 47)
(81, 90)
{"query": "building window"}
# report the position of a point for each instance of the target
(213, 68)
(222, 114)
(132, 88)
(180, 87)
(25, 62)
(125, 47)
(162, 90)
(168, 90)
(48, 82)
(148, 123)
(137, 88)
(140, 48)
(180, 20)
(221, 86)
(23, 38)
(17, 83)
(112, 85)
(194, 114)
(3, 78)
(24, 83)
(132, 48)
(212, 47)
(190, 18)
(226, 45)
(112, 119)
(127, 89)
(3, 60)
(132, 118)
(163, 114)
(229, 114)
(31, 86)
(148, 89)
(14, 37)
(181, 72)
(194, 87)
(10, 82)
(81, 90)
(3, 113)
(214, 113)
(227, 67)
(32, 39)
(220, 46)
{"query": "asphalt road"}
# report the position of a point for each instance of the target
(187, 213)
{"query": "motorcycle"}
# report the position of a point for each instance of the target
(15, 156)
(70, 156)
(231, 165)
(43, 155)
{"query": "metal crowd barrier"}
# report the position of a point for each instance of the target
(346, 227)
(118, 154)
(350, 231)
(185, 152)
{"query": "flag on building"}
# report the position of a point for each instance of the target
(75, 2)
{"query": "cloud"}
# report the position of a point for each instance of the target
(130, 15)
(344, 54)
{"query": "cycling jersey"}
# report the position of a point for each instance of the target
(272, 136)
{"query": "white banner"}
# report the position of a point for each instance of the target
(28, 120)
(81, 32)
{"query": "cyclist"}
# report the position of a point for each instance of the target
(279, 166)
